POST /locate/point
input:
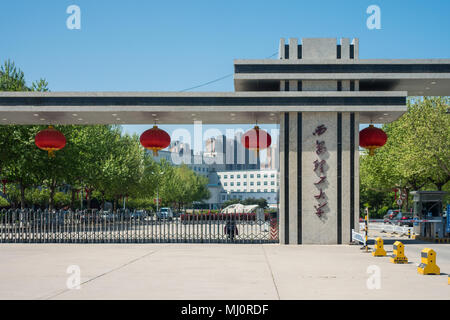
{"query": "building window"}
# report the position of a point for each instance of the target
(265, 183)
(252, 183)
(238, 183)
(258, 175)
(245, 176)
(225, 184)
(238, 176)
(272, 175)
(225, 176)
(258, 183)
(245, 183)
(231, 176)
(272, 183)
(252, 175)
(265, 176)
(231, 183)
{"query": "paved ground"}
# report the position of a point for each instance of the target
(215, 271)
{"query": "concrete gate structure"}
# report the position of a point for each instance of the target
(318, 91)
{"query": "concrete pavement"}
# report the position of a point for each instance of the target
(214, 271)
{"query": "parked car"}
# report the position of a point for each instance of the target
(405, 216)
(391, 215)
(139, 214)
(106, 216)
(165, 213)
(398, 216)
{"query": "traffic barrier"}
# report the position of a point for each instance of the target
(399, 253)
(428, 262)
(359, 237)
(379, 248)
(385, 228)
(405, 220)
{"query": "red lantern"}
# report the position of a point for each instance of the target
(50, 140)
(256, 139)
(372, 138)
(155, 139)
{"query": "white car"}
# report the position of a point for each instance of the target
(165, 213)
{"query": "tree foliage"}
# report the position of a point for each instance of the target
(416, 155)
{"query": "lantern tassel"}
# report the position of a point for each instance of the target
(51, 153)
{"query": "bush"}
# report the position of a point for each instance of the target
(4, 203)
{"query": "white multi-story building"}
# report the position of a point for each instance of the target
(249, 180)
(244, 184)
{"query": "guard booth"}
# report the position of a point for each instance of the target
(428, 205)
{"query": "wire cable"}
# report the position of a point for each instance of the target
(218, 79)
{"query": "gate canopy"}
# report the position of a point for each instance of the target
(187, 107)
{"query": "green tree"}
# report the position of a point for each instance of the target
(417, 153)
(12, 78)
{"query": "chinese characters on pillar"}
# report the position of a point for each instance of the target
(320, 167)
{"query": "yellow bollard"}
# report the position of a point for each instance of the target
(399, 253)
(409, 233)
(379, 248)
(428, 262)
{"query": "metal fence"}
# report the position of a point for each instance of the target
(124, 226)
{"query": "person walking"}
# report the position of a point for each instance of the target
(230, 228)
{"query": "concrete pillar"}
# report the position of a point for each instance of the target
(299, 223)
(299, 182)
(293, 48)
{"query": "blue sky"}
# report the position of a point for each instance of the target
(139, 45)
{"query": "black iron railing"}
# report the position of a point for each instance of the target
(124, 226)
